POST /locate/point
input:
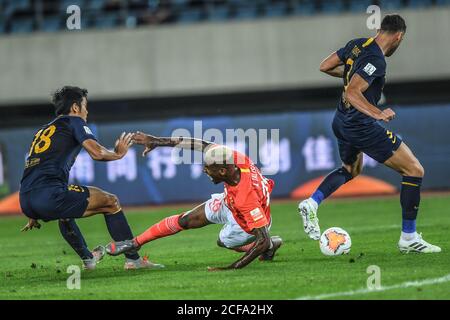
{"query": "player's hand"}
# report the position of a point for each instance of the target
(387, 115)
(123, 144)
(150, 142)
(214, 269)
(30, 225)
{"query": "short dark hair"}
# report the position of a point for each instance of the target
(65, 97)
(393, 23)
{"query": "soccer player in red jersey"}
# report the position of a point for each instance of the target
(243, 208)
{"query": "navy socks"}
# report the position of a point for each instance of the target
(410, 200)
(73, 236)
(331, 183)
(120, 230)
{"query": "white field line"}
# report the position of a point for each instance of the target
(403, 285)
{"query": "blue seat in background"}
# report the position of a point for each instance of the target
(304, 7)
(419, 3)
(332, 6)
(51, 24)
(22, 25)
(360, 5)
(12, 6)
(95, 5)
(390, 4)
(240, 2)
(190, 15)
(131, 21)
(106, 20)
(246, 12)
(179, 3)
(217, 13)
(442, 2)
(276, 9)
(64, 4)
(2, 25)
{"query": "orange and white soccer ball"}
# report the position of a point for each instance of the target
(335, 241)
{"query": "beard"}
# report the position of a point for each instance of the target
(392, 50)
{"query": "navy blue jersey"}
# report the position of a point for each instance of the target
(53, 152)
(364, 57)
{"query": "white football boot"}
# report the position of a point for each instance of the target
(97, 254)
(308, 211)
(417, 245)
(141, 263)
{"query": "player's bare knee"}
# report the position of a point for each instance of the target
(417, 170)
(113, 203)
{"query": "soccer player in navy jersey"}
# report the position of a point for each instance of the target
(362, 66)
(45, 193)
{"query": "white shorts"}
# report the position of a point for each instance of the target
(231, 235)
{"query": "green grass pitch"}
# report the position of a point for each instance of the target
(34, 264)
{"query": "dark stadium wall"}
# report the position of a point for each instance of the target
(255, 102)
(210, 58)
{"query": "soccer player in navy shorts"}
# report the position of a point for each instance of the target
(45, 193)
(362, 66)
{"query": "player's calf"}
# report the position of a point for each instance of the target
(108, 204)
(166, 227)
(73, 236)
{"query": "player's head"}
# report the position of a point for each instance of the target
(393, 27)
(70, 100)
(219, 164)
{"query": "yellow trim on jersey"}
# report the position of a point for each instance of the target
(245, 170)
(349, 61)
(369, 41)
(410, 184)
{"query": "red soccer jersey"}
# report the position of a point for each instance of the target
(249, 200)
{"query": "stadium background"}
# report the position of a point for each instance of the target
(157, 66)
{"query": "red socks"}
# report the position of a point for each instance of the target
(164, 228)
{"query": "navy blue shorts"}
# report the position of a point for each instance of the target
(372, 139)
(53, 203)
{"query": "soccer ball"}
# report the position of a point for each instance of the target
(335, 241)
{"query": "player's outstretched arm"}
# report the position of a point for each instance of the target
(100, 153)
(262, 244)
(333, 66)
(354, 95)
(151, 142)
